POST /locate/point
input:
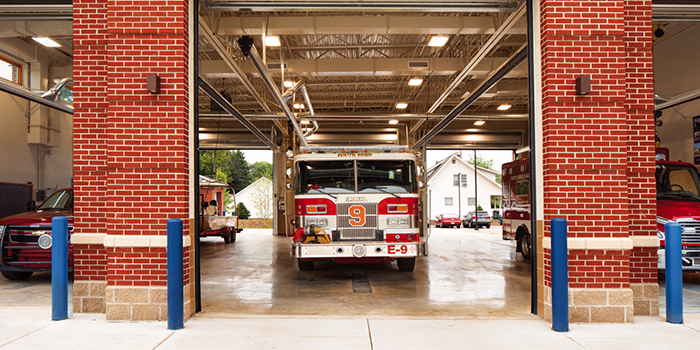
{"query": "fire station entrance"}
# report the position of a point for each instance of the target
(385, 76)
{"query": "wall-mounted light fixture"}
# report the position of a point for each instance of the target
(153, 83)
(583, 85)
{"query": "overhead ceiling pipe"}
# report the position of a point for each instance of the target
(223, 53)
(504, 69)
(17, 91)
(55, 92)
(395, 6)
(485, 50)
(249, 50)
(221, 101)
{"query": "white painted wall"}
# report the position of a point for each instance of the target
(677, 70)
(20, 160)
(441, 186)
(257, 198)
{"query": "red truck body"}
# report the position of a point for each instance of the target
(678, 200)
(516, 204)
(20, 252)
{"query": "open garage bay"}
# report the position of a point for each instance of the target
(468, 274)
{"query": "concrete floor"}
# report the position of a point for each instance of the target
(468, 274)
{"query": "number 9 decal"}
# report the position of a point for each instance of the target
(357, 214)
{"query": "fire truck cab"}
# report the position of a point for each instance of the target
(357, 205)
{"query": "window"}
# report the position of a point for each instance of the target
(10, 70)
(455, 180)
(448, 200)
(495, 202)
(471, 201)
(464, 180)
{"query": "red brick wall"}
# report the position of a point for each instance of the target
(596, 169)
(131, 147)
(90, 134)
(639, 104)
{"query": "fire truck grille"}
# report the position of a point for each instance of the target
(690, 232)
(364, 226)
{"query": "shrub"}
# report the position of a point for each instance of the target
(242, 211)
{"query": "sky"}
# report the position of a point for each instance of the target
(499, 157)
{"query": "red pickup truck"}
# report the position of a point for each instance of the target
(678, 200)
(22, 252)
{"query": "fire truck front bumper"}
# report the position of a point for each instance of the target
(359, 250)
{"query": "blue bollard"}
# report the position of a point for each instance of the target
(674, 274)
(59, 268)
(175, 275)
(560, 276)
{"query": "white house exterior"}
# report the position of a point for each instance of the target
(258, 198)
(446, 195)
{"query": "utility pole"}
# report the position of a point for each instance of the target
(476, 201)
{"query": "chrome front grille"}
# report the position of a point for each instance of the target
(690, 231)
(365, 231)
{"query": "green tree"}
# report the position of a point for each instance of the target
(242, 211)
(482, 162)
(261, 169)
(231, 163)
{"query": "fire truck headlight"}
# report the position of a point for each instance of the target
(320, 222)
(420, 184)
(660, 234)
(288, 172)
(397, 221)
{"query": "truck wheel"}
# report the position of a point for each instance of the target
(488, 226)
(16, 275)
(525, 246)
(227, 236)
(406, 264)
(233, 234)
(305, 265)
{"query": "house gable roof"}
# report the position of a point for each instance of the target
(253, 185)
(437, 168)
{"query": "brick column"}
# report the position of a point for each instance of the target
(142, 176)
(585, 155)
(640, 153)
(90, 154)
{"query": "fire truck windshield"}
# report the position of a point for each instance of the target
(677, 182)
(373, 176)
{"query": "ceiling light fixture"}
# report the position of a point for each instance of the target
(479, 122)
(503, 107)
(288, 83)
(401, 105)
(393, 121)
(46, 41)
(437, 41)
(298, 106)
(415, 82)
(272, 41)
(305, 122)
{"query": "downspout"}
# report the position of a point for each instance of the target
(249, 51)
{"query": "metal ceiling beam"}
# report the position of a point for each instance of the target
(366, 67)
(675, 12)
(224, 54)
(397, 6)
(680, 99)
(324, 24)
(20, 92)
(340, 117)
(251, 52)
(485, 50)
(221, 101)
(514, 61)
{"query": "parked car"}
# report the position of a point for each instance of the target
(25, 239)
(448, 220)
(474, 221)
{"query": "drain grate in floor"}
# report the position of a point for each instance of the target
(360, 283)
